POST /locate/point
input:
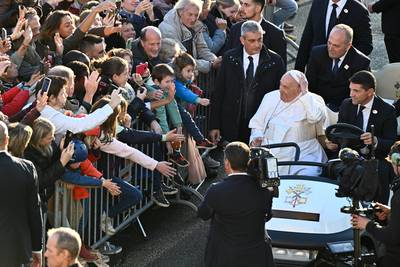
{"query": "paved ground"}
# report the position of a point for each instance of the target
(176, 238)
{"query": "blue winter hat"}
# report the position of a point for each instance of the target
(80, 151)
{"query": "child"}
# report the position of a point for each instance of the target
(80, 171)
(184, 66)
(163, 78)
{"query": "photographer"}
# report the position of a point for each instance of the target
(389, 234)
(237, 207)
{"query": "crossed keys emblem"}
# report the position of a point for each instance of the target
(297, 195)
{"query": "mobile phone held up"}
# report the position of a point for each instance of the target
(141, 68)
(68, 138)
(3, 34)
(45, 85)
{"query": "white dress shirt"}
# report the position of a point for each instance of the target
(366, 112)
(339, 8)
(246, 61)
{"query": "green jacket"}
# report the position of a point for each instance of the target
(169, 112)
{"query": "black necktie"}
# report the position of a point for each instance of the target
(360, 118)
(332, 19)
(250, 72)
(336, 65)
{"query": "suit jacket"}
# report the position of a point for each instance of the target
(383, 116)
(357, 17)
(237, 207)
(227, 113)
(20, 220)
(390, 16)
(274, 38)
(333, 88)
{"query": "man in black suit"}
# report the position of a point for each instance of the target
(390, 26)
(274, 38)
(247, 73)
(325, 14)
(364, 109)
(237, 207)
(21, 219)
(330, 66)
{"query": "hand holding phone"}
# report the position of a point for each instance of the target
(141, 68)
(3, 34)
(45, 85)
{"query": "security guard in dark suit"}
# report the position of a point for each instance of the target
(363, 110)
(20, 214)
(237, 207)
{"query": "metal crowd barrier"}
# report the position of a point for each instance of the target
(84, 215)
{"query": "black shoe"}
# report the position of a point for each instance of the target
(159, 198)
(168, 190)
(178, 159)
(177, 180)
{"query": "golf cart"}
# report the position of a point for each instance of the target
(307, 227)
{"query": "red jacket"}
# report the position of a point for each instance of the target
(14, 100)
(88, 169)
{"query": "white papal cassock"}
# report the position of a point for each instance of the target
(300, 121)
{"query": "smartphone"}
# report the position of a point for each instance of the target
(68, 138)
(141, 68)
(3, 34)
(46, 85)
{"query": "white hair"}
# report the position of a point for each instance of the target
(182, 4)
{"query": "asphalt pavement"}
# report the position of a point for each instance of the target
(175, 237)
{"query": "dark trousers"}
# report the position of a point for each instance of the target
(189, 124)
(392, 43)
(129, 197)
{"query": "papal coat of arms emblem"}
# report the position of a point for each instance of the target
(297, 195)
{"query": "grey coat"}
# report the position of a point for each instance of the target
(172, 28)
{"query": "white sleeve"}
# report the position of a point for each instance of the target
(78, 125)
(314, 107)
(257, 123)
(124, 151)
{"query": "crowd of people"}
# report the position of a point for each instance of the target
(79, 77)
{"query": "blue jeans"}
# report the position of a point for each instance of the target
(128, 198)
(189, 124)
(287, 8)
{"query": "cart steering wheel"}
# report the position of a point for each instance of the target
(345, 135)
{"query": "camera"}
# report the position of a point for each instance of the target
(264, 166)
(106, 86)
(357, 177)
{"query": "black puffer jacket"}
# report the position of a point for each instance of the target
(49, 170)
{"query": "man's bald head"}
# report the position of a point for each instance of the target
(3, 136)
(150, 39)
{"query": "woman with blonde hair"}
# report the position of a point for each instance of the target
(20, 134)
(47, 157)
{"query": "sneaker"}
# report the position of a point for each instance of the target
(210, 162)
(109, 249)
(87, 255)
(178, 159)
(159, 198)
(168, 190)
(104, 258)
(288, 28)
(106, 225)
(206, 144)
(177, 180)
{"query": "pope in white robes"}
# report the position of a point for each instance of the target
(291, 114)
